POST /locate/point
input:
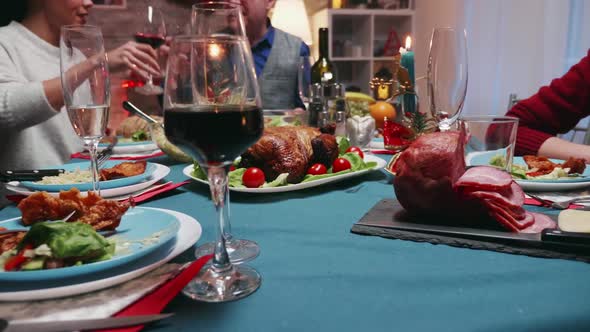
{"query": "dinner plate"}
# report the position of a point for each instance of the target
(188, 170)
(140, 232)
(564, 184)
(159, 173)
(126, 181)
(188, 234)
(130, 147)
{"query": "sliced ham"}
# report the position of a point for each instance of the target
(517, 223)
(484, 178)
(512, 197)
(541, 222)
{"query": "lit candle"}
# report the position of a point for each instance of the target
(408, 59)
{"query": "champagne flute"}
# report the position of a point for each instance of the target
(86, 86)
(219, 19)
(212, 111)
(153, 33)
(447, 75)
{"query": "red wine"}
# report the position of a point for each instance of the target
(154, 41)
(214, 134)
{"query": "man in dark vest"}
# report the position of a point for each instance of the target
(276, 56)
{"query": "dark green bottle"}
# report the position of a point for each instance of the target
(323, 71)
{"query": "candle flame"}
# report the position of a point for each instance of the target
(408, 43)
(214, 50)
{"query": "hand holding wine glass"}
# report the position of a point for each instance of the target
(447, 75)
(153, 33)
(86, 86)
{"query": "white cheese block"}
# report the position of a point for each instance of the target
(574, 221)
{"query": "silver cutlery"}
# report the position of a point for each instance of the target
(105, 154)
(134, 110)
(81, 324)
(560, 205)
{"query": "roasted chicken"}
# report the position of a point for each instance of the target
(290, 150)
(101, 214)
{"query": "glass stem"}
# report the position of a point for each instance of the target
(218, 186)
(92, 147)
(227, 230)
(150, 80)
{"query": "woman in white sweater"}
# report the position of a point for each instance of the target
(34, 128)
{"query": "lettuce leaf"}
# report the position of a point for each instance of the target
(281, 180)
(343, 144)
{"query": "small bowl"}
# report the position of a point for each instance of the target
(158, 136)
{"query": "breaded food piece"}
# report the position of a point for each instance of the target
(576, 165)
(123, 170)
(10, 240)
(541, 165)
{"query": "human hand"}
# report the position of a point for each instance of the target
(140, 59)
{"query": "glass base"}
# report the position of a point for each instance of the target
(149, 90)
(239, 250)
(211, 286)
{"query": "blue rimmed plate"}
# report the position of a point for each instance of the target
(116, 183)
(142, 230)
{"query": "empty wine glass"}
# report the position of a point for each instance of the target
(153, 33)
(86, 86)
(212, 111)
(447, 75)
(223, 19)
(304, 79)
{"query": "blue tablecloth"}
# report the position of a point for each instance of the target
(319, 276)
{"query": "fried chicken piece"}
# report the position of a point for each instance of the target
(123, 170)
(10, 240)
(40, 206)
(542, 165)
(576, 165)
(92, 209)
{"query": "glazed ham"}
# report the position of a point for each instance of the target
(431, 178)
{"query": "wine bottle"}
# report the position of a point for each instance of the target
(323, 71)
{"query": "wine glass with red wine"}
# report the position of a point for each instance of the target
(223, 19)
(212, 111)
(86, 86)
(153, 33)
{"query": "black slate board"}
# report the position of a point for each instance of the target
(388, 219)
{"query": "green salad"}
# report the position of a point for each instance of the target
(57, 244)
(236, 176)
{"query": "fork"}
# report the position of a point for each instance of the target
(105, 154)
(560, 205)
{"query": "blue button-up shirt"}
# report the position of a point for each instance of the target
(261, 52)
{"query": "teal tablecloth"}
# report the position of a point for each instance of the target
(317, 276)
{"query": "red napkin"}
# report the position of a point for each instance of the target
(157, 153)
(147, 195)
(379, 151)
(156, 301)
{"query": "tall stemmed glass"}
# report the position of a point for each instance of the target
(86, 86)
(153, 33)
(212, 111)
(219, 19)
(304, 79)
(447, 75)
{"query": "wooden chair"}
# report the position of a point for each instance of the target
(569, 136)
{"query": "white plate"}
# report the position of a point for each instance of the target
(188, 170)
(188, 234)
(159, 173)
(133, 148)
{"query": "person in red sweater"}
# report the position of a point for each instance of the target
(555, 109)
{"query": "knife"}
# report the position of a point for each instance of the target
(134, 110)
(28, 175)
(82, 324)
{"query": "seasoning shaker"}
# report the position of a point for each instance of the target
(316, 105)
(340, 110)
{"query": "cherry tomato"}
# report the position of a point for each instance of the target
(356, 150)
(253, 177)
(340, 164)
(317, 169)
(232, 168)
